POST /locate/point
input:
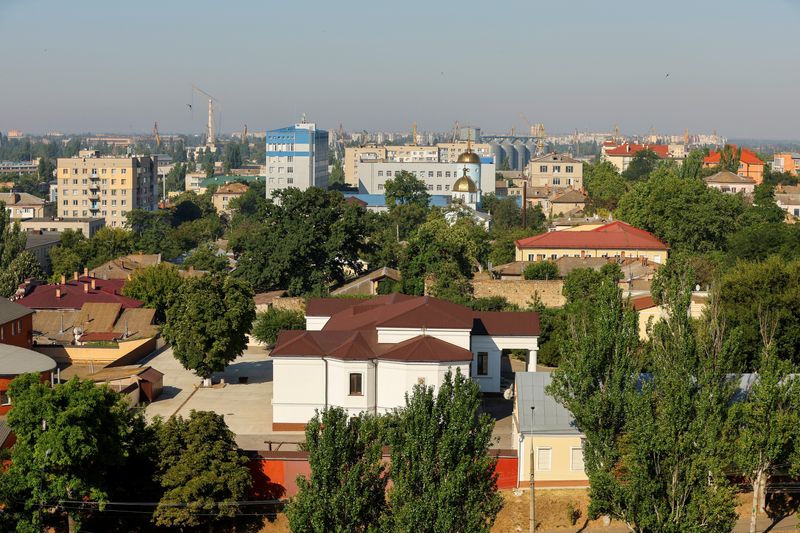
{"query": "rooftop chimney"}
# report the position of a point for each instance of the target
(58, 292)
(63, 279)
(75, 276)
(94, 284)
(86, 287)
(85, 271)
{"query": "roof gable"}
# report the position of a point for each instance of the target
(616, 234)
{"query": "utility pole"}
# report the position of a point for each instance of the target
(533, 495)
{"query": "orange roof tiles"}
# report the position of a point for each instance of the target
(615, 235)
(747, 157)
(661, 150)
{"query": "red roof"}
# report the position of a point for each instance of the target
(661, 150)
(101, 336)
(747, 157)
(642, 302)
(352, 330)
(73, 295)
(615, 235)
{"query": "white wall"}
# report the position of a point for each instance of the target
(459, 337)
(316, 323)
(494, 345)
(298, 388)
(339, 385)
(396, 378)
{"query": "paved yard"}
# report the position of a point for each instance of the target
(245, 400)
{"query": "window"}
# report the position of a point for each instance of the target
(438, 173)
(544, 459)
(430, 173)
(65, 171)
(530, 257)
(568, 169)
(542, 168)
(290, 170)
(380, 186)
(355, 385)
(380, 173)
(483, 363)
(84, 171)
(289, 180)
(66, 202)
(103, 170)
(2, 333)
(438, 187)
(5, 399)
(124, 171)
(447, 174)
(576, 459)
(556, 181)
(447, 187)
(290, 159)
(123, 181)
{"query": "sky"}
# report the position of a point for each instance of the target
(114, 66)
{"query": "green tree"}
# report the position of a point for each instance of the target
(684, 213)
(336, 180)
(346, 490)
(405, 189)
(442, 471)
(206, 258)
(300, 241)
(541, 270)
(642, 164)
(109, 243)
(272, 321)
(769, 424)
(207, 325)
(729, 158)
(24, 266)
(232, 156)
(157, 286)
(12, 238)
(72, 442)
(176, 178)
(604, 184)
(202, 472)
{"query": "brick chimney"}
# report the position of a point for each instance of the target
(85, 271)
(75, 276)
(94, 284)
(86, 287)
(58, 292)
(63, 279)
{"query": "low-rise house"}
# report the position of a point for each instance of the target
(614, 240)
(545, 431)
(621, 155)
(555, 170)
(16, 324)
(39, 243)
(564, 202)
(729, 182)
(222, 197)
(750, 165)
(578, 223)
(87, 226)
(786, 162)
(368, 284)
(365, 355)
(123, 267)
(787, 197)
(73, 293)
(139, 384)
(15, 361)
(21, 205)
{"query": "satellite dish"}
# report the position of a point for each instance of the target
(508, 394)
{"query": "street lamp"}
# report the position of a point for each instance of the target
(531, 467)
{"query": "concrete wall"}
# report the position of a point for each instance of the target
(396, 378)
(520, 292)
(298, 389)
(560, 474)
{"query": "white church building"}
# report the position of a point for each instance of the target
(365, 355)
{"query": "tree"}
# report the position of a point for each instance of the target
(72, 442)
(12, 238)
(206, 258)
(604, 184)
(442, 471)
(541, 270)
(157, 286)
(686, 214)
(336, 180)
(642, 164)
(202, 472)
(729, 158)
(24, 266)
(595, 376)
(272, 321)
(232, 156)
(346, 490)
(300, 241)
(406, 189)
(109, 243)
(207, 325)
(768, 422)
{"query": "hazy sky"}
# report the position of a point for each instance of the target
(109, 65)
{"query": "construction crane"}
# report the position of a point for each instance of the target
(414, 134)
(456, 135)
(244, 135)
(211, 137)
(157, 136)
(686, 137)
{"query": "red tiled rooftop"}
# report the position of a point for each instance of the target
(423, 349)
(615, 235)
(747, 157)
(662, 150)
(101, 336)
(73, 295)
(642, 302)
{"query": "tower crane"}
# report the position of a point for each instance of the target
(211, 138)
(156, 136)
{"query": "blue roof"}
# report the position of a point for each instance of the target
(294, 129)
(379, 200)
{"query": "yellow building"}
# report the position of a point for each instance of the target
(617, 240)
(222, 197)
(107, 187)
(544, 431)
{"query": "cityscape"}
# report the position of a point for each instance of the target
(409, 268)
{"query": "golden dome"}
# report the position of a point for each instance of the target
(464, 184)
(469, 157)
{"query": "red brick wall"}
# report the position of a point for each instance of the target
(23, 339)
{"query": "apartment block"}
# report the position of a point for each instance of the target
(555, 170)
(297, 156)
(107, 187)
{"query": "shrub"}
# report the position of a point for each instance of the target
(541, 270)
(269, 323)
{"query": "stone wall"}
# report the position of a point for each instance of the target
(520, 292)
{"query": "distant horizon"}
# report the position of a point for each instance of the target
(570, 65)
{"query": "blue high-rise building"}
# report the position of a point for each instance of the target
(297, 156)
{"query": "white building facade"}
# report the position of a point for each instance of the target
(297, 156)
(438, 177)
(365, 355)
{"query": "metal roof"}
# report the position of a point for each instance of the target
(549, 417)
(15, 361)
(12, 311)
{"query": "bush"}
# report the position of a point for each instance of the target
(541, 270)
(269, 323)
